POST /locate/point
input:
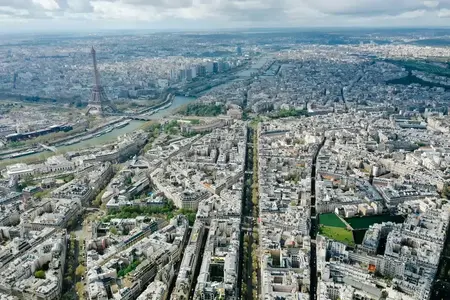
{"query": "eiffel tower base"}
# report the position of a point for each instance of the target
(94, 109)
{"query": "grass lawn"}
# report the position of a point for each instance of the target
(331, 220)
(338, 234)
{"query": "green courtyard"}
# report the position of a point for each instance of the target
(331, 220)
(338, 234)
(333, 227)
(367, 221)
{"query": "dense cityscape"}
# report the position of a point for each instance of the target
(275, 164)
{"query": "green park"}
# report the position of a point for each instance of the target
(331, 226)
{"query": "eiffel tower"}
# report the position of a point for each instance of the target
(99, 103)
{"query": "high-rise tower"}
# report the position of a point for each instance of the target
(99, 103)
(15, 80)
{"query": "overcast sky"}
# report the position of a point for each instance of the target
(37, 15)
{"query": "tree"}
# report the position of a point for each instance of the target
(255, 237)
(39, 274)
(80, 270)
(130, 268)
(255, 294)
(98, 200)
(80, 289)
(72, 223)
(113, 230)
(128, 181)
(246, 238)
(148, 146)
(68, 178)
(202, 109)
(254, 278)
(244, 289)
(254, 265)
(68, 280)
(445, 191)
(283, 113)
(41, 195)
(125, 231)
(27, 181)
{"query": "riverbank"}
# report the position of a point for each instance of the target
(163, 105)
(106, 138)
(34, 154)
(104, 130)
(178, 101)
(71, 139)
(93, 132)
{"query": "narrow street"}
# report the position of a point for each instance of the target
(441, 284)
(71, 263)
(247, 223)
(314, 228)
(199, 264)
(178, 264)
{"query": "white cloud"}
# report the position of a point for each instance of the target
(10, 11)
(80, 6)
(122, 11)
(431, 4)
(255, 13)
(412, 14)
(47, 4)
(444, 13)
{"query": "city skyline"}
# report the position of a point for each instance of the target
(268, 163)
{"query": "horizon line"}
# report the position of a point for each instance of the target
(222, 29)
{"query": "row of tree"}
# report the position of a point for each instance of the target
(154, 130)
(255, 202)
(130, 268)
(250, 246)
(284, 113)
(169, 210)
(203, 110)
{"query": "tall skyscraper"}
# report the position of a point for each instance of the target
(210, 67)
(173, 75)
(188, 74)
(215, 67)
(194, 72)
(239, 50)
(182, 75)
(201, 70)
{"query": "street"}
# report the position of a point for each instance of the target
(314, 227)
